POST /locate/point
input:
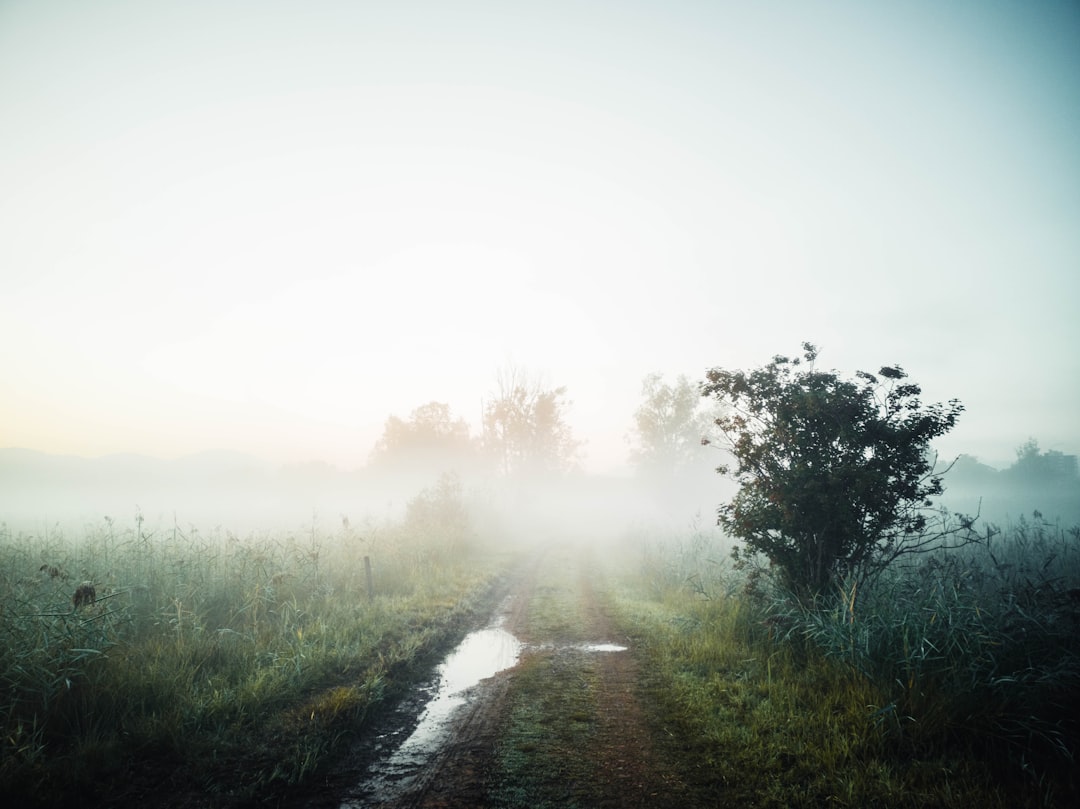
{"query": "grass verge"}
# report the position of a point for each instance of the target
(767, 717)
(213, 666)
(551, 714)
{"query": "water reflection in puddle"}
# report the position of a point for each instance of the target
(480, 655)
(579, 647)
(603, 647)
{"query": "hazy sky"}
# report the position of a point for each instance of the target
(267, 226)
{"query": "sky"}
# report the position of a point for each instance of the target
(268, 226)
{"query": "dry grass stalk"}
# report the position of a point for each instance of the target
(85, 595)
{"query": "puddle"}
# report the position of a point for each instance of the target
(580, 647)
(480, 655)
(603, 647)
(401, 766)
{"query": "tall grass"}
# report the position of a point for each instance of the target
(952, 681)
(975, 645)
(202, 647)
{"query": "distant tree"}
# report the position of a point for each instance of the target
(836, 476)
(668, 427)
(1036, 467)
(968, 469)
(430, 441)
(525, 428)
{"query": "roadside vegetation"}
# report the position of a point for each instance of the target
(550, 718)
(137, 661)
(840, 640)
(949, 683)
(853, 643)
(145, 663)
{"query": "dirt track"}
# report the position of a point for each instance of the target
(597, 752)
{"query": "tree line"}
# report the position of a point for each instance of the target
(836, 475)
(525, 432)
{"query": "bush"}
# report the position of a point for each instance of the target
(836, 476)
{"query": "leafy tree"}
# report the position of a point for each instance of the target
(836, 476)
(525, 429)
(432, 440)
(668, 427)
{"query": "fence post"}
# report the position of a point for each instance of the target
(367, 575)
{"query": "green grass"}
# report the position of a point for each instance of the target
(238, 666)
(975, 648)
(551, 716)
(549, 727)
(233, 663)
(770, 710)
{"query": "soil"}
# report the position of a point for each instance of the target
(625, 750)
(624, 766)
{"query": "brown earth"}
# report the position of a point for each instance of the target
(620, 765)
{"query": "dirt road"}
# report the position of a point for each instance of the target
(564, 726)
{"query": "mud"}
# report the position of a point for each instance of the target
(438, 748)
(438, 738)
(389, 778)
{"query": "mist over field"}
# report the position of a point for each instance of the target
(228, 491)
(241, 494)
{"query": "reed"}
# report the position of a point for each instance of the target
(197, 647)
(950, 682)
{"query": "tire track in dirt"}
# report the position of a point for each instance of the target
(624, 752)
(619, 765)
(460, 775)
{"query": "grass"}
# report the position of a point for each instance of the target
(227, 667)
(231, 664)
(975, 648)
(549, 725)
(951, 685)
(551, 716)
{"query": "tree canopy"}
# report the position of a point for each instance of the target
(836, 476)
(668, 426)
(431, 440)
(525, 428)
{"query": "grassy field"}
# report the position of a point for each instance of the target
(214, 663)
(226, 667)
(953, 682)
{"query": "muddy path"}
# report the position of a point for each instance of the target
(562, 724)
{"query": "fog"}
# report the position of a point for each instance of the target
(266, 227)
(227, 493)
(238, 494)
(1036, 486)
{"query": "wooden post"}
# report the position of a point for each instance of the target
(367, 575)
